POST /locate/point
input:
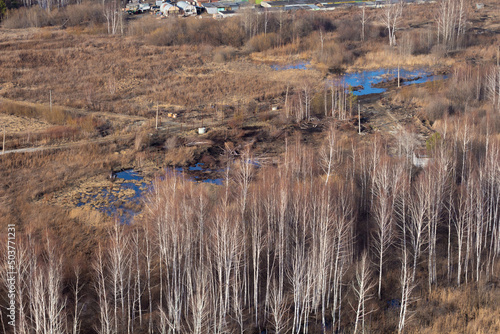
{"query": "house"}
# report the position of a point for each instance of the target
(302, 7)
(328, 6)
(219, 6)
(211, 8)
(234, 6)
(291, 5)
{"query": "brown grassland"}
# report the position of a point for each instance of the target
(85, 102)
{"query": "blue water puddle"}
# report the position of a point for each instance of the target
(303, 65)
(129, 204)
(129, 175)
(254, 162)
(199, 167)
(130, 184)
(218, 181)
(107, 201)
(365, 80)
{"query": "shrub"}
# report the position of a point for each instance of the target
(349, 30)
(334, 55)
(224, 53)
(196, 32)
(141, 141)
(3, 9)
(172, 143)
(436, 109)
(73, 15)
(83, 14)
(439, 51)
(142, 26)
(261, 42)
(26, 18)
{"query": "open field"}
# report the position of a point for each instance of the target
(15, 124)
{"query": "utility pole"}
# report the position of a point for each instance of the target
(286, 102)
(3, 145)
(359, 120)
(50, 101)
(363, 21)
(399, 80)
(157, 115)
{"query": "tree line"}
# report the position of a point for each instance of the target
(309, 244)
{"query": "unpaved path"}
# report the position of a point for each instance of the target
(68, 145)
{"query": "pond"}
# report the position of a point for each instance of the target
(123, 197)
(303, 65)
(200, 173)
(366, 82)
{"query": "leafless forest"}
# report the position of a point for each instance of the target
(320, 241)
(324, 223)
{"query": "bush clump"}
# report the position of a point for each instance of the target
(262, 42)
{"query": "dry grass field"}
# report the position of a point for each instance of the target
(16, 124)
(85, 102)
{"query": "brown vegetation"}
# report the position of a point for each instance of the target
(324, 222)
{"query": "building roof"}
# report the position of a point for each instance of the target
(167, 7)
(290, 3)
(183, 4)
(302, 7)
(220, 4)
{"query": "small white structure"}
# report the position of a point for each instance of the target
(420, 158)
(144, 7)
(169, 9)
(202, 131)
(225, 13)
(187, 8)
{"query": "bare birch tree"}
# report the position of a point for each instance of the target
(391, 18)
(383, 189)
(361, 286)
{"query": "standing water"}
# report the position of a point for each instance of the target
(366, 80)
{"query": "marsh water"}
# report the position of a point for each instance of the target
(365, 82)
(123, 199)
(301, 65)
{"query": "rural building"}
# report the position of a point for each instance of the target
(226, 13)
(219, 6)
(291, 5)
(169, 9)
(187, 8)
